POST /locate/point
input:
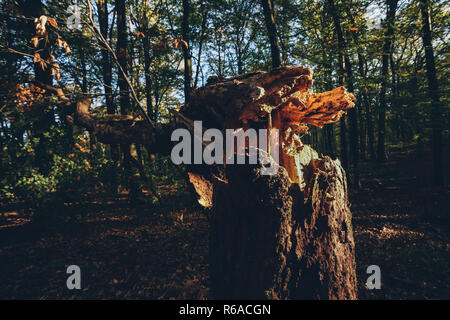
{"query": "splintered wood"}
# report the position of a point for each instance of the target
(287, 91)
(320, 108)
(280, 99)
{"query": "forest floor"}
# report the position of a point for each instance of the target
(139, 252)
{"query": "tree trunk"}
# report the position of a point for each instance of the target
(148, 78)
(102, 8)
(345, 66)
(278, 242)
(329, 129)
(269, 18)
(186, 52)
(201, 40)
(433, 89)
(364, 102)
(390, 17)
(106, 60)
(122, 56)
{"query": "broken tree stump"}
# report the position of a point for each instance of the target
(270, 240)
(281, 236)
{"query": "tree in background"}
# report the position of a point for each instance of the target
(389, 34)
(433, 89)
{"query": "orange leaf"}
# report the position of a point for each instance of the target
(139, 34)
(36, 57)
(35, 41)
(179, 43)
(53, 23)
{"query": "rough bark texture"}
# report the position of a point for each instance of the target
(271, 244)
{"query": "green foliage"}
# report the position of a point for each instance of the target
(68, 179)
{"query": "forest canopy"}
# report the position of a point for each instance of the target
(143, 59)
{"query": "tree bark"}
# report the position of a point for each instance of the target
(433, 91)
(269, 18)
(186, 52)
(345, 69)
(278, 242)
(389, 34)
(148, 77)
(122, 56)
(102, 8)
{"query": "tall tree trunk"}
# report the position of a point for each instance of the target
(396, 110)
(202, 39)
(363, 101)
(327, 66)
(148, 77)
(346, 75)
(148, 58)
(370, 131)
(362, 96)
(102, 8)
(186, 51)
(362, 136)
(433, 89)
(389, 34)
(269, 17)
(124, 97)
(122, 56)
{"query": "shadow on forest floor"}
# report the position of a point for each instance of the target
(145, 253)
(402, 225)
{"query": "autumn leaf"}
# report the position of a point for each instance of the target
(35, 41)
(36, 57)
(59, 42)
(40, 25)
(179, 44)
(53, 23)
(139, 34)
